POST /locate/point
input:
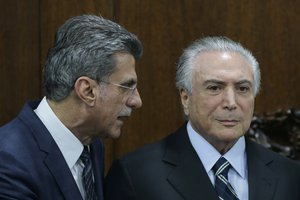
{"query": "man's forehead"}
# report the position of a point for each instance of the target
(221, 61)
(225, 55)
(222, 66)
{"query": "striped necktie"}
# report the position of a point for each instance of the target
(87, 175)
(222, 186)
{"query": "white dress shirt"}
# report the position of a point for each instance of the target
(70, 147)
(236, 156)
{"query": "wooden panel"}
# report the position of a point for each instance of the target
(19, 56)
(276, 44)
(161, 113)
(270, 29)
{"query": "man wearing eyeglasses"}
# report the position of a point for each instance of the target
(52, 149)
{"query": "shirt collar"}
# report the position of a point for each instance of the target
(69, 145)
(208, 155)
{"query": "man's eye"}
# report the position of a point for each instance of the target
(129, 84)
(213, 88)
(125, 85)
(128, 87)
(125, 88)
(243, 89)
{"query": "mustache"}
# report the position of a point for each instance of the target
(125, 112)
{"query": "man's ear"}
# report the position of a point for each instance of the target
(185, 98)
(85, 88)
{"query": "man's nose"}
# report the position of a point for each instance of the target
(229, 101)
(134, 101)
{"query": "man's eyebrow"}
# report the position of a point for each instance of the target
(129, 82)
(213, 81)
(219, 82)
(244, 82)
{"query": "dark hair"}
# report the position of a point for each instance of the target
(85, 46)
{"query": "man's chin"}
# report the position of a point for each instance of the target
(116, 134)
(110, 134)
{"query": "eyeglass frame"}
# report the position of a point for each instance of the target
(131, 89)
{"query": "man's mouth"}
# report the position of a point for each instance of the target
(228, 122)
(121, 118)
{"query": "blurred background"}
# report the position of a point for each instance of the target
(270, 29)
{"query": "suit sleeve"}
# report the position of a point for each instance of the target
(14, 179)
(118, 184)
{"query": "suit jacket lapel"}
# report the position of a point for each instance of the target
(62, 175)
(262, 181)
(188, 177)
(53, 158)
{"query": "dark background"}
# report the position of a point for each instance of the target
(270, 29)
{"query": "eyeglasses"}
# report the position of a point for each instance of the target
(129, 90)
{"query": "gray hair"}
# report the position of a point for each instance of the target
(85, 46)
(186, 62)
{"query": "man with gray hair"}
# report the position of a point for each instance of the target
(209, 157)
(53, 150)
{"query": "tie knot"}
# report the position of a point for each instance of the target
(85, 155)
(221, 167)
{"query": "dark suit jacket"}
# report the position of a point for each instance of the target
(32, 166)
(171, 170)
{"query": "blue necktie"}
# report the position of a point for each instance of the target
(222, 186)
(87, 175)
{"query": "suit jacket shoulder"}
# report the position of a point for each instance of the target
(32, 166)
(167, 169)
(270, 175)
(170, 169)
